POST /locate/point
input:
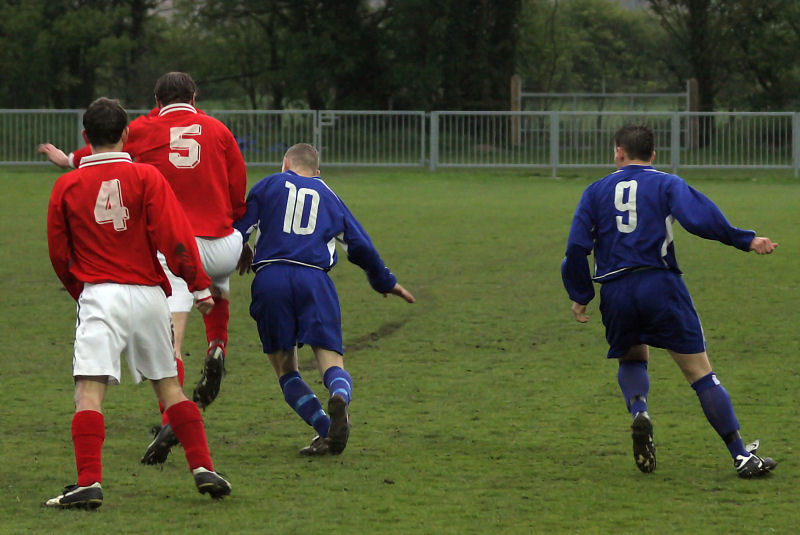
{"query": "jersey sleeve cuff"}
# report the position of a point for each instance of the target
(202, 295)
(384, 282)
(745, 239)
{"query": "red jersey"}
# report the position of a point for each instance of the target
(107, 219)
(200, 159)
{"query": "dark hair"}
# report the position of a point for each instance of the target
(637, 141)
(175, 87)
(104, 121)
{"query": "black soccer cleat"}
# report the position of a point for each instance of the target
(644, 450)
(207, 388)
(211, 483)
(75, 497)
(339, 431)
(753, 465)
(318, 446)
(159, 448)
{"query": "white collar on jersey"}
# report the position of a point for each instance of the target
(105, 157)
(178, 106)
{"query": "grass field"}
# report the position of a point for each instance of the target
(483, 408)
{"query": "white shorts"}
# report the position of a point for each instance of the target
(219, 257)
(122, 318)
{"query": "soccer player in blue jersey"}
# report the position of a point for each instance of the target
(294, 302)
(626, 219)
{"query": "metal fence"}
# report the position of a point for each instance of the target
(372, 138)
(22, 130)
(264, 136)
(550, 140)
(554, 140)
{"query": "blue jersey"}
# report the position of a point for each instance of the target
(627, 218)
(300, 219)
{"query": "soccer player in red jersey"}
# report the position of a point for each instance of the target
(105, 222)
(202, 162)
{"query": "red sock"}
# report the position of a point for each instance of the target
(187, 424)
(181, 373)
(88, 433)
(181, 377)
(217, 321)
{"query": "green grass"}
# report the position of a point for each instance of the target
(483, 408)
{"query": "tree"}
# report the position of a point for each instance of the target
(698, 37)
(480, 40)
(587, 45)
(324, 52)
(412, 41)
(406, 54)
(740, 45)
(335, 53)
(765, 34)
(235, 53)
(22, 46)
(449, 54)
(63, 52)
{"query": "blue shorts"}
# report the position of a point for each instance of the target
(653, 307)
(295, 305)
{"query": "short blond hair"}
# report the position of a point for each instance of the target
(303, 155)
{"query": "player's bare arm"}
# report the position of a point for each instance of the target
(54, 154)
(579, 312)
(401, 292)
(762, 245)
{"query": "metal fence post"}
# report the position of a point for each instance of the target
(796, 143)
(79, 123)
(434, 152)
(675, 142)
(554, 142)
(423, 127)
(317, 131)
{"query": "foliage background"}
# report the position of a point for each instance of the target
(397, 54)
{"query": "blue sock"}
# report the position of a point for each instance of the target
(634, 383)
(717, 406)
(303, 401)
(338, 381)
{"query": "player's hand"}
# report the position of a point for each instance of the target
(579, 311)
(401, 292)
(204, 301)
(54, 154)
(245, 260)
(762, 245)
